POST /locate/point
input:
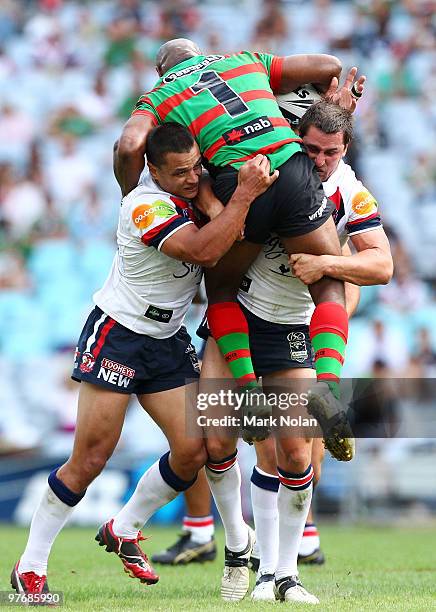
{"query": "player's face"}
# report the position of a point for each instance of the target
(180, 173)
(325, 150)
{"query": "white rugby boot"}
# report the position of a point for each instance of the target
(235, 581)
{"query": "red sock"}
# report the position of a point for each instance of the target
(229, 328)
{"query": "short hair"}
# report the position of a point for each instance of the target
(329, 118)
(167, 138)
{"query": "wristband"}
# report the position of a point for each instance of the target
(355, 93)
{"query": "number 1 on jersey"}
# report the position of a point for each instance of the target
(222, 92)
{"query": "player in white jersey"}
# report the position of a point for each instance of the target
(134, 342)
(280, 322)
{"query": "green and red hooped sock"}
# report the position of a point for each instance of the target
(328, 331)
(229, 328)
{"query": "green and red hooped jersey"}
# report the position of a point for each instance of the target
(227, 103)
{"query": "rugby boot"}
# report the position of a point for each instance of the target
(186, 551)
(28, 583)
(135, 561)
(264, 588)
(235, 580)
(291, 589)
(255, 416)
(328, 411)
(314, 558)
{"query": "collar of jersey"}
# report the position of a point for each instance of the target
(187, 62)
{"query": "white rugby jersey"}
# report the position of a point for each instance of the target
(147, 291)
(269, 290)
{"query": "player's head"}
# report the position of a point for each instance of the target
(326, 130)
(174, 159)
(173, 52)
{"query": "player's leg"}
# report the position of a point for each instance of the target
(100, 419)
(224, 477)
(226, 320)
(295, 475)
(196, 542)
(174, 472)
(264, 489)
(310, 551)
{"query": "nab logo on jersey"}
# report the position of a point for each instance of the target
(251, 129)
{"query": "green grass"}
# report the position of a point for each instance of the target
(367, 569)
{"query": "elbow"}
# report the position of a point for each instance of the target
(206, 261)
(333, 65)
(130, 144)
(386, 272)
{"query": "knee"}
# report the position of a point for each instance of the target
(297, 459)
(219, 449)
(94, 463)
(189, 458)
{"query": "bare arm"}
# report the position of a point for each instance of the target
(318, 69)
(207, 245)
(129, 152)
(206, 201)
(371, 265)
(352, 292)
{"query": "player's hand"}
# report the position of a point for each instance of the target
(350, 92)
(254, 176)
(308, 268)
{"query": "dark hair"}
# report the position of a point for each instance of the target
(329, 118)
(170, 137)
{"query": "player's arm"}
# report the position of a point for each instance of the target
(371, 265)
(207, 245)
(206, 201)
(296, 70)
(129, 151)
(352, 292)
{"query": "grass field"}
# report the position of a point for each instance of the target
(366, 569)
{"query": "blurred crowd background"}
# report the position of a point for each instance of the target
(70, 74)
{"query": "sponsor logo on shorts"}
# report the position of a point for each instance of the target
(114, 378)
(245, 284)
(298, 346)
(144, 214)
(209, 59)
(88, 363)
(364, 203)
(251, 129)
(318, 213)
(114, 366)
(158, 314)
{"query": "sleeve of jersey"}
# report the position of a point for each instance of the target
(274, 67)
(364, 215)
(145, 107)
(156, 221)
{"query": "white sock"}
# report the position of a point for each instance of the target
(265, 514)
(151, 493)
(310, 541)
(200, 527)
(293, 505)
(49, 518)
(225, 484)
